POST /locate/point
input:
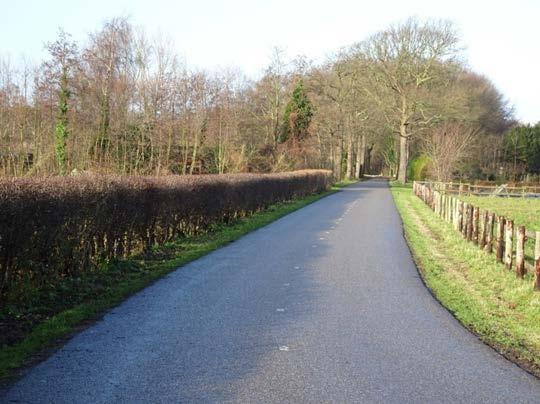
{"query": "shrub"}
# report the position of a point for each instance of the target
(418, 168)
(59, 227)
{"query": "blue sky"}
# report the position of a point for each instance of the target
(502, 38)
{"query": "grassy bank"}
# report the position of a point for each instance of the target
(502, 310)
(79, 302)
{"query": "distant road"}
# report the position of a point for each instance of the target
(324, 305)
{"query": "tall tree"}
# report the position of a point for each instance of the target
(63, 54)
(297, 117)
(403, 61)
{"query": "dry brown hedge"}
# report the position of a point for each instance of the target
(63, 226)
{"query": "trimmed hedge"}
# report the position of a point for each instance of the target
(63, 226)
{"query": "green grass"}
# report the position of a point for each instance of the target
(524, 211)
(122, 279)
(488, 299)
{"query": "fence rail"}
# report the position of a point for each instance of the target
(459, 188)
(490, 232)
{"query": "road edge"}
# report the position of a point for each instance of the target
(499, 349)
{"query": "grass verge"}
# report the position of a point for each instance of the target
(485, 297)
(119, 280)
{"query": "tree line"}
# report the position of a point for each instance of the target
(401, 102)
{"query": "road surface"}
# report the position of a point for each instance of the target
(323, 305)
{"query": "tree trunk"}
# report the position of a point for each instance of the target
(186, 151)
(367, 161)
(349, 173)
(194, 154)
(360, 156)
(337, 166)
(403, 139)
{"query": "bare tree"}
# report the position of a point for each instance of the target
(132, 106)
(404, 60)
(447, 146)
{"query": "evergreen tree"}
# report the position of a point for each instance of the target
(522, 145)
(298, 114)
(61, 130)
(59, 72)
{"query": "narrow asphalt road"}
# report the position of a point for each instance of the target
(324, 305)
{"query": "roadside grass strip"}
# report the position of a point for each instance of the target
(484, 296)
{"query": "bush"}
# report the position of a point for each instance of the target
(59, 227)
(418, 168)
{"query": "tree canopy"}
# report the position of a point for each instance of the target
(124, 102)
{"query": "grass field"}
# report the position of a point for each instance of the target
(489, 300)
(95, 294)
(524, 211)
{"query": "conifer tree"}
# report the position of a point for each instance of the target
(298, 114)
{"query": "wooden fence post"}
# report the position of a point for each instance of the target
(489, 233)
(445, 198)
(536, 284)
(520, 252)
(483, 233)
(465, 219)
(455, 215)
(448, 207)
(509, 238)
(470, 220)
(476, 217)
(460, 217)
(501, 221)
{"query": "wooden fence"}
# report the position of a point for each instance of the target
(459, 188)
(492, 233)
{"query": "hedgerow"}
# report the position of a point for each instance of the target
(60, 227)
